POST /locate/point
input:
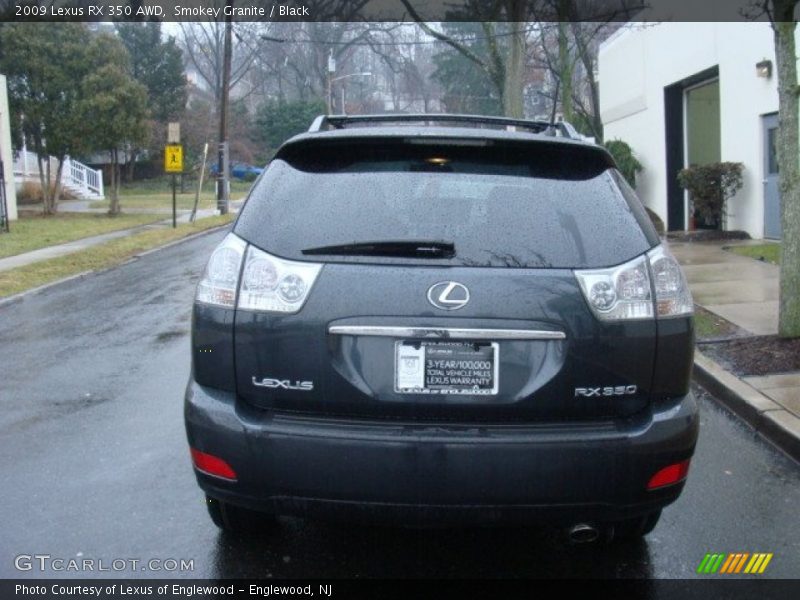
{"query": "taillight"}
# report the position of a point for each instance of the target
(618, 293)
(673, 297)
(273, 284)
(669, 475)
(221, 277)
(212, 465)
(267, 283)
(647, 286)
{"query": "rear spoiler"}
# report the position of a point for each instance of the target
(560, 128)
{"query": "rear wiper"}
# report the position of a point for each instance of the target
(409, 248)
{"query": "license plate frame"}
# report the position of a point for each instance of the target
(412, 367)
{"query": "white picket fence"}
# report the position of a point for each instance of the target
(81, 181)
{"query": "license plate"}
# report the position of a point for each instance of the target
(438, 367)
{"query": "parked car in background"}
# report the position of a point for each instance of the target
(241, 171)
(435, 318)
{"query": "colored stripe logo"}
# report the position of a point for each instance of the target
(734, 563)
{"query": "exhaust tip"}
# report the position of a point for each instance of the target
(583, 533)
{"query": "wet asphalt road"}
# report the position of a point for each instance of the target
(95, 463)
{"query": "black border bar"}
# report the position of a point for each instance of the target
(377, 10)
(156, 589)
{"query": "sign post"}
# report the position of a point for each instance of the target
(173, 163)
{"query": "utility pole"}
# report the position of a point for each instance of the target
(222, 158)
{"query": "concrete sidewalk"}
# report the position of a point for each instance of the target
(737, 288)
(743, 291)
(27, 258)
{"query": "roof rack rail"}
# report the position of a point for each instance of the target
(327, 122)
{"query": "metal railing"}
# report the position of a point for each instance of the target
(84, 177)
(76, 177)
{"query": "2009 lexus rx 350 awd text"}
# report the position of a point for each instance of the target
(431, 319)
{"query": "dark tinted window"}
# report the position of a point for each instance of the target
(531, 205)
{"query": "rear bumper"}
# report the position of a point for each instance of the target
(422, 472)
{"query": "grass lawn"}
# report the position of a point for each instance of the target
(31, 232)
(157, 193)
(708, 325)
(705, 325)
(101, 256)
(769, 252)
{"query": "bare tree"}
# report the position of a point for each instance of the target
(297, 56)
(503, 66)
(509, 42)
(568, 52)
(203, 45)
(404, 65)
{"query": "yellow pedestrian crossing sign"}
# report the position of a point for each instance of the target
(173, 158)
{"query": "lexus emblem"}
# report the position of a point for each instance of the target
(448, 295)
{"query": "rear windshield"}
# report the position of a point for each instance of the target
(540, 205)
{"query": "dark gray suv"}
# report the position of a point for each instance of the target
(436, 318)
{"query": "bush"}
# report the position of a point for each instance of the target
(710, 187)
(626, 161)
(31, 193)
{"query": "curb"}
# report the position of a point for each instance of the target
(176, 242)
(22, 295)
(766, 417)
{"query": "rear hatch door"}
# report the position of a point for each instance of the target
(447, 287)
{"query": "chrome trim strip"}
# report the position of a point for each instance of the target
(446, 333)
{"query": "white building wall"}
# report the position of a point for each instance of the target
(6, 152)
(638, 63)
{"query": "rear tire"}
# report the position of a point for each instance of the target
(236, 519)
(635, 529)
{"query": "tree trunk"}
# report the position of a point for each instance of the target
(113, 208)
(565, 71)
(583, 46)
(131, 166)
(788, 166)
(515, 63)
(57, 185)
(119, 183)
(596, 120)
(44, 181)
(512, 86)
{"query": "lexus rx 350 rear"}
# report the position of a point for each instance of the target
(427, 324)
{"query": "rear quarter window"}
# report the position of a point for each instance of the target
(531, 205)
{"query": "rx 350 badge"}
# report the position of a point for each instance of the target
(618, 390)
